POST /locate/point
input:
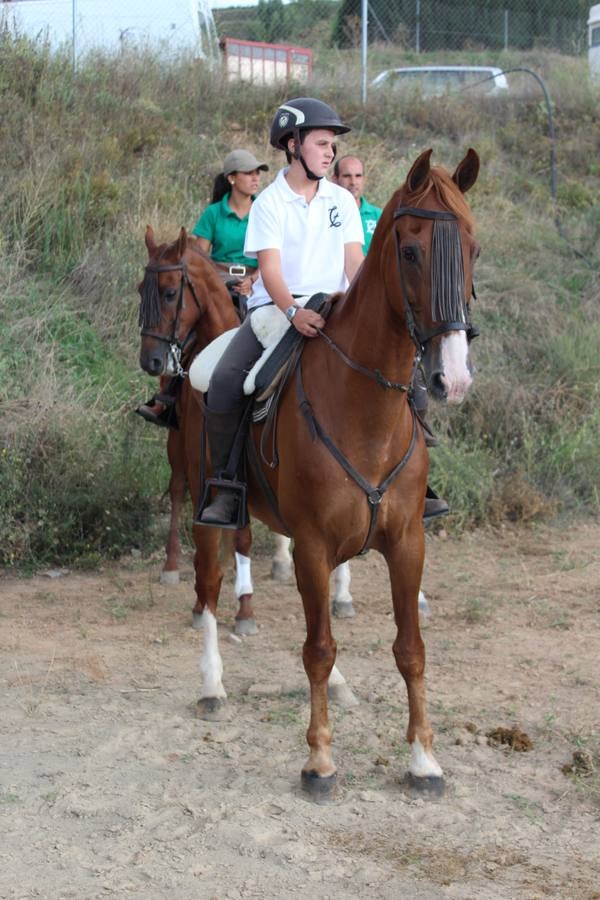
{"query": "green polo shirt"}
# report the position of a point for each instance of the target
(226, 232)
(369, 216)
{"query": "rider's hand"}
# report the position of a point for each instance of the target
(244, 286)
(306, 321)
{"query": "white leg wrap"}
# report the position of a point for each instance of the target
(243, 576)
(422, 763)
(336, 677)
(211, 664)
(423, 605)
(341, 584)
(281, 566)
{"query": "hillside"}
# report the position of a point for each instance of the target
(89, 158)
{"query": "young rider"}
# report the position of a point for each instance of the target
(221, 230)
(307, 236)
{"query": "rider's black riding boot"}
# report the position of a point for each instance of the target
(223, 429)
(434, 504)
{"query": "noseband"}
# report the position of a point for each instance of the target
(453, 307)
(149, 315)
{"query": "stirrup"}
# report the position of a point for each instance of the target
(239, 513)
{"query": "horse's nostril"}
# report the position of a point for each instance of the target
(437, 383)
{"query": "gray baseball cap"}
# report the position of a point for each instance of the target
(242, 161)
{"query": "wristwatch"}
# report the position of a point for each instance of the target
(291, 312)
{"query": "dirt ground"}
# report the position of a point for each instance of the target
(111, 787)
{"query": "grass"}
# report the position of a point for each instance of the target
(91, 157)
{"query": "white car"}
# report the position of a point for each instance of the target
(435, 81)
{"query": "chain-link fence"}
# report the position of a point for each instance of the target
(417, 25)
(412, 26)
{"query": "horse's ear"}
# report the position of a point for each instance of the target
(151, 245)
(181, 243)
(419, 171)
(467, 171)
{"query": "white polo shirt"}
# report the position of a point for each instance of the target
(310, 236)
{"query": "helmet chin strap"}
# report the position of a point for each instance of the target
(298, 155)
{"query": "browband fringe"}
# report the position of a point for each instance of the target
(149, 316)
(447, 274)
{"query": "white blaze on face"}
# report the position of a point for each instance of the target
(211, 664)
(456, 377)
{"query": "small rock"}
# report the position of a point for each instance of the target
(233, 638)
(381, 761)
(372, 797)
(56, 573)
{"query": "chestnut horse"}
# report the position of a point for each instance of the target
(184, 305)
(353, 463)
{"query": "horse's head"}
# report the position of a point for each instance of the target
(433, 252)
(169, 306)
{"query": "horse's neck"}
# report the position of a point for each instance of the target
(218, 313)
(369, 331)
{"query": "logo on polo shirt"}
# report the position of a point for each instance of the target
(334, 217)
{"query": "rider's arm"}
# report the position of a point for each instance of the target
(306, 321)
(353, 258)
(204, 244)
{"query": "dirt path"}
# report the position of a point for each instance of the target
(109, 787)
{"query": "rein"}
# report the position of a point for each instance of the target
(149, 315)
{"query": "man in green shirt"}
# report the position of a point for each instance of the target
(348, 172)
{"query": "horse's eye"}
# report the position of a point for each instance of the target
(170, 294)
(409, 254)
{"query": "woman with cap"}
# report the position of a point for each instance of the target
(221, 230)
(222, 226)
(306, 236)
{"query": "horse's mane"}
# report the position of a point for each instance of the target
(446, 192)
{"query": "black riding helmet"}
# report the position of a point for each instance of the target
(295, 117)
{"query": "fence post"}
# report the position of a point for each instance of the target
(363, 46)
(505, 30)
(418, 27)
(74, 26)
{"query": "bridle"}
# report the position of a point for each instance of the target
(460, 305)
(419, 339)
(150, 312)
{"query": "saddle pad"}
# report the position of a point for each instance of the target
(202, 367)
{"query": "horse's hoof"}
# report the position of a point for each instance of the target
(170, 577)
(342, 610)
(245, 627)
(342, 695)
(197, 621)
(212, 709)
(281, 571)
(428, 785)
(321, 789)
